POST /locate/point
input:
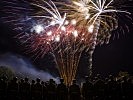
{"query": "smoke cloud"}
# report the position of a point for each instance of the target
(23, 67)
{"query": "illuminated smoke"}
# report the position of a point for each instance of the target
(23, 67)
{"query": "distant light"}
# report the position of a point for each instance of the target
(49, 33)
(82, 39)
(63, 28)
(52, 22)
(73, 22)
(90, 60)
(94, 43)
(75, 33)
(91, 52)
(52, 38)
(57, 38)
(66, 22)
(47, 42)
(87, 16)
(38, 28)
(91, 28)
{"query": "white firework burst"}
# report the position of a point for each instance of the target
(54, 17)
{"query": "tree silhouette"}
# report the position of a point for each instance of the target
(6, 72)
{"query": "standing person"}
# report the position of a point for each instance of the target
(129, 89)
(113, 87)
(99, 86)
(3, 87)
(32, 90)
(62, 90)
(51, 90)
(106, 91)
(26, 89)
(21, 87)
(87, 89)
(12, 89)
(124, 86)
(74, 91)
(44, 91)
(38, 90)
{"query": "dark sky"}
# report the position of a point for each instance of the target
(108, 58)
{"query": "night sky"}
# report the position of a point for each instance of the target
(107, 59)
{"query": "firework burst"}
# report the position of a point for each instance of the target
(64, 29)
(95, 19)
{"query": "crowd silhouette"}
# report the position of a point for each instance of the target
(92, 89)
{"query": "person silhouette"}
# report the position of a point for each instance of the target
(32, 90)
(3, 87)
(13, 89)
(74, 91)
(87, 89)
(26, 89)
(38, 90)
(51, 90)
(21, 87)
(62, 90)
